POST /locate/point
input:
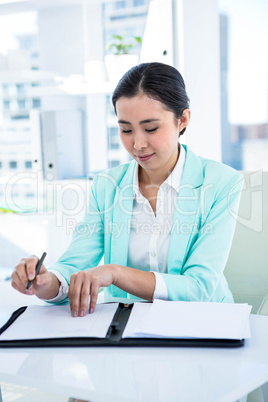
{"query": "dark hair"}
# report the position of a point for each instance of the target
(159, 81)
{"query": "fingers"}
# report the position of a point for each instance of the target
(25, 272)
(31, 263)
(74, 293)
(83, 285)
(94, 290)
(19, 285)
(84, 296)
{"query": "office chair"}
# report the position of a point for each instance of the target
(247, 266)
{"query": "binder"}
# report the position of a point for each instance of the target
(113, 336)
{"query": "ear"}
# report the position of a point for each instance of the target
(184, 119)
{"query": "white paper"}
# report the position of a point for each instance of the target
(41, 322)
(137, 315)
(4, 317)
(189, 320)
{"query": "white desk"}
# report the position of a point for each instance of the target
(139, 374)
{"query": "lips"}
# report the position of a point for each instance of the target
(144, 158)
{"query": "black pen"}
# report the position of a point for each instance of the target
(38, 267)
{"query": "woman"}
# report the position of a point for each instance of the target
(163, 221)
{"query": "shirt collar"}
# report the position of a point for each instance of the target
(173, 180)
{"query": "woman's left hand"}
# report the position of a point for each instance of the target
(87, 283)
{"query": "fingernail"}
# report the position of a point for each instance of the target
(81, 313)
(91, 310)
(74, 313)
(30, 277)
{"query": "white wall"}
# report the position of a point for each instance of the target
(69, 37)
(61, 39)
(196, 49)
(254, 154)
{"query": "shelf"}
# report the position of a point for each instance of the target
(76, 89)
(15, 113)
(27, 76)
(16, 97)
(68, 88)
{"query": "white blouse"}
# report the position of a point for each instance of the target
(149, 233)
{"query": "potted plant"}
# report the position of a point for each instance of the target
(120, 61)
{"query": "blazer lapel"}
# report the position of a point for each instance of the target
(122, 214)
(185, 217)
(186, 214)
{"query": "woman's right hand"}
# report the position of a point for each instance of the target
(46, 284)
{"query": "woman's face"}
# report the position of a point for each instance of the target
(148, 131)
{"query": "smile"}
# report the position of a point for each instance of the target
(145, 157)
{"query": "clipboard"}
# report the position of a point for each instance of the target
(113, 336)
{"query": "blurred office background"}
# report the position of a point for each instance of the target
(57, 125)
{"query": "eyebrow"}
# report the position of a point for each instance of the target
(141, 122)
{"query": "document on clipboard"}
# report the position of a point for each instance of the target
(161, 323)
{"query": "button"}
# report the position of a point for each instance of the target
(153, 254)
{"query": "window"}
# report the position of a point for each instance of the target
(36, 32)
(120, 4)
(244, 85)
(28, 164)
(127, 20)
(13, 164)
(138, 3)
(5, 88)
(114, 163)
(6, 104)
(36, 103)
(21, 104)
(20, 88)
(34, 55)
(114, 140)
(20, 117)
(118, 19)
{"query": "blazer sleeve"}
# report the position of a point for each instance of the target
(206, 258)
(87, 246)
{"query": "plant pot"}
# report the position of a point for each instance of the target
(118, 64)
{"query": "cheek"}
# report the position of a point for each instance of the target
(171, 140)
(162, 143)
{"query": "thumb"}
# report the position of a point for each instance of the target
(43, 278)
(43, 270)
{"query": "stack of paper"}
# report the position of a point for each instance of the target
(166, 319)
(41, 322)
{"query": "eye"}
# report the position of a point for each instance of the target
(152, 130)
(126, 131)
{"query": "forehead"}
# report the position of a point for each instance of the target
(140, 106)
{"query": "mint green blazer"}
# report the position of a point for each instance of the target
(201, 234)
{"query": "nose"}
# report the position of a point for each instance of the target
(140, 141)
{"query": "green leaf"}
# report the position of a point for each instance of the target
(138, 39)
(119, 37)
(124, 43)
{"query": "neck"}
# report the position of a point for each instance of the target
(157, 176)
